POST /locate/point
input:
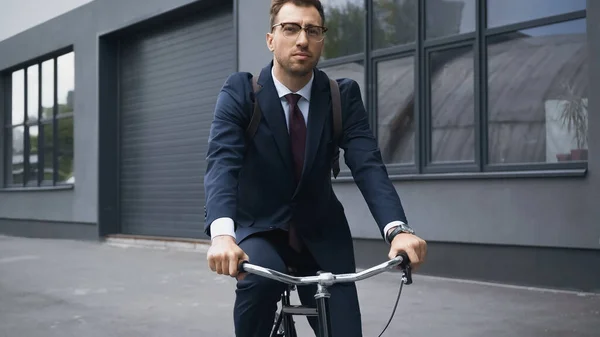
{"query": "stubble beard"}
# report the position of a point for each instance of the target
(297, 69)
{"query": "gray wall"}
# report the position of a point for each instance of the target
(555, 212)
(253, 27)
(97, 17)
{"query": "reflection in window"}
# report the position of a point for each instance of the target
(394, 22)
(32, 93)
(66, 83)
(449, 17)
(30, 142)
(18, 97)
(537, 100)
(17, 136)
(505, 12)
(346, 22)
(65, 148)
(395, 110)
(33, 154)
(452, 105)
(351, 70)
(48, 154)
(48, 89)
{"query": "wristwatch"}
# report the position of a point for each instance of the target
(402, 228)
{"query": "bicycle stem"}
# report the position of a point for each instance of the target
(322, 298)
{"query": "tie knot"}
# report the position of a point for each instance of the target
(292, 98)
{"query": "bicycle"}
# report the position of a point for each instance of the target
(284, 322)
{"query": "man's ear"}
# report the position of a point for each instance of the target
(270, 41)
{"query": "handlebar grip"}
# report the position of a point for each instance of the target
(405, 266)
(241, 267)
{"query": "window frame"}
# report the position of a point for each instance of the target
(421, 49)
(6, 76)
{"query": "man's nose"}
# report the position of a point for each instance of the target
(302, 39)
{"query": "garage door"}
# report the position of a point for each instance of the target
(170, 79)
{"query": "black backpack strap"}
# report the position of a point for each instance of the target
(337, 123)
(256, 114)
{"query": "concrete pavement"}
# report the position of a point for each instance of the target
(69, 288)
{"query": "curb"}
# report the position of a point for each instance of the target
(187, 245)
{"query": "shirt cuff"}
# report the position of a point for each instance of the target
(222, 226)
(390, 226)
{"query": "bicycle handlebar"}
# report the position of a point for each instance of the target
(328, 279)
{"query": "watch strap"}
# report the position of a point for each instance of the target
(399, 229)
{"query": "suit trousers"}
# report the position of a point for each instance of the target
(256, 297)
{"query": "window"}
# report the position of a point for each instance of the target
(467, 85)
(348, 35)
(396, 109)
(506, 12)
(39, 123)
(394, 23)
(537, 94)
(451, 105)
(447, 18)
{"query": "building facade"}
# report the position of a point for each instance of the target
(486, 112)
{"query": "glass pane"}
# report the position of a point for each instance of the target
(48, 133)
(538, 94)
(505, 12)
(48, 164)
(346, 22)
(18, 97)
(449, 17)
(351, 70)
(66, 82)
(452, 105)
(65, 149)
(356, 72)
(394, 22)
(33, 153)
(395, 110)
(48, 146)
(33, 94)
(47, 89)
(18, 155)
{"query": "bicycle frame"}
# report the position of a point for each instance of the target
(323, 280)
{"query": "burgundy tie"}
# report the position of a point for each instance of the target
(298, 141)
(297, 134)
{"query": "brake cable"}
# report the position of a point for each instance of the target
(406, 278)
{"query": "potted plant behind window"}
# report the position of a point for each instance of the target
(574, 117)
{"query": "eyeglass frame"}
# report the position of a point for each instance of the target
(305, 29)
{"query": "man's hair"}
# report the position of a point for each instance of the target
(277, 4)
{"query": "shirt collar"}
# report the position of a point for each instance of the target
(282, 90)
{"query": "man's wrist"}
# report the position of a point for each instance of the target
(396, 230)
(222, 226)
(388, 228)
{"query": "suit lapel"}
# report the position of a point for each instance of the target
(270, 105)
(317, 116)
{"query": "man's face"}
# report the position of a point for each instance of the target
(296, 52)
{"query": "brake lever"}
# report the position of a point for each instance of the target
(406, 269)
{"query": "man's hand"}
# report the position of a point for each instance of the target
(224, 255)
(412, 245)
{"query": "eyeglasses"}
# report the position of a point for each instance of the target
(291, 30)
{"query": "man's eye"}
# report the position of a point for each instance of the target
(313, 31)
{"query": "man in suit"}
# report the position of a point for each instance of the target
(269, 199)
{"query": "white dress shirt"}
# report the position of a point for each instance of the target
(225, 226)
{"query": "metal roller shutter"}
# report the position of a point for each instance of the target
(169, 81)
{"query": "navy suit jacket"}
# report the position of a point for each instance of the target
(252, 181)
